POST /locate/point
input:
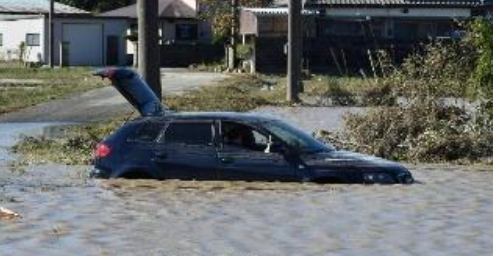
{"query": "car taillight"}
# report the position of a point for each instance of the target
(102, 150)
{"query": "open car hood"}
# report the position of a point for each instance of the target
(134, 89)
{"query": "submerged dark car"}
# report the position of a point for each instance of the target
(225, 146)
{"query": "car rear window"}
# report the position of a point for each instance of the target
(147, 132)
(196, 133)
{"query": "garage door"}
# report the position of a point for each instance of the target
(83, 44)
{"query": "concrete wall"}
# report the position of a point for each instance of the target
(14, 32)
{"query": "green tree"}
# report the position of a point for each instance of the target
(482, 37)
(218, 13)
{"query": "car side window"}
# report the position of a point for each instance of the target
(189, 133)
(243, 136)
(147, 132)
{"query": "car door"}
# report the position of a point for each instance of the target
(246, 159)
(187, 151)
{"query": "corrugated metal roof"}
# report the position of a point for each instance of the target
(272, 11)
(410, 3)
(282, 3)
(167, 9)
(36, 6)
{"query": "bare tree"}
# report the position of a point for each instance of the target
(149, 53)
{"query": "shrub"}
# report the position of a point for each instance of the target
(425, 128)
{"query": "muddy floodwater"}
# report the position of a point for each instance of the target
(63, 213)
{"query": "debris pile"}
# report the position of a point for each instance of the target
(7, 214)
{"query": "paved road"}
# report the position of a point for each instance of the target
(101, 104)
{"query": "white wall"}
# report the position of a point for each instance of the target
(399, 12)
(14, 32)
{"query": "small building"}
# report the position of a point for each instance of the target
(80, 39)
(399, 20)
(342, 32)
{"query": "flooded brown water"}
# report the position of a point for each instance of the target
(63, 213)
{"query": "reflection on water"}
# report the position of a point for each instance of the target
(134, 186)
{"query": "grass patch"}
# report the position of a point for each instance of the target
(21, 87)
(238, 93)
(350, 91)
(75, 146)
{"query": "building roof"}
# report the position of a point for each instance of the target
(283, 3)
(36, 7)
(273, 11)
(406, 3)
(167, 9)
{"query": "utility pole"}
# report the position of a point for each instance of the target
(51, 35)
(148, 44)
(294, 51)
(232, 41)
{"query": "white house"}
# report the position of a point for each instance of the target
(80, 39)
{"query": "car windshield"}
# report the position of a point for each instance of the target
(296, 138)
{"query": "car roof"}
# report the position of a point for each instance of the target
(224, 116)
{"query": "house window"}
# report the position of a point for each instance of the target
(186, 32)
(1, 39)
(32, 40)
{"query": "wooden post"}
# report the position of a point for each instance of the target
(51, 35)
(148, 44)
(294, 51)
(233, 39)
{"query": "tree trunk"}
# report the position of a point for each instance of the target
(148, 44)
